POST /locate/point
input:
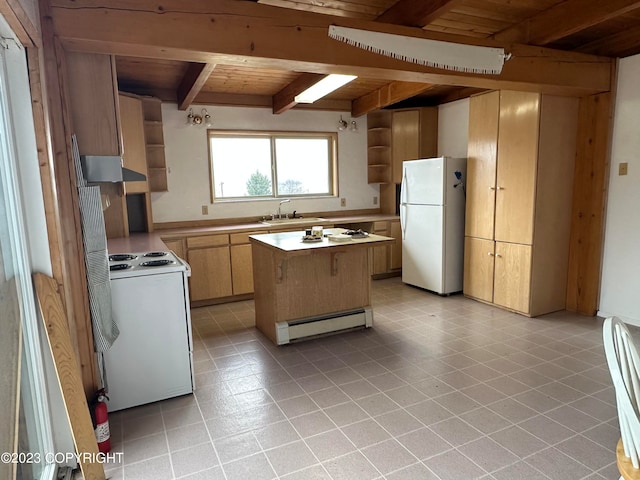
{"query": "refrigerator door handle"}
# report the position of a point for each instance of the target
(403, 187)
(403, 223)
(403, 203)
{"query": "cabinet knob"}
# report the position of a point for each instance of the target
(490, 254)
(492, 188)
(497, 255)
(499, 188)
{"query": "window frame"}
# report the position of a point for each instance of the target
(272, 135)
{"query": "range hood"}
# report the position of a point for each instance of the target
(107, 168)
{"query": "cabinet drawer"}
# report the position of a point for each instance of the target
(380, 226)
(207, 241)
(240, 238)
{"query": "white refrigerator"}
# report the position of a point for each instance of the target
(432, 204)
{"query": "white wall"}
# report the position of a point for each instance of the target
(620, 284)
(188, 163)
(453, 129)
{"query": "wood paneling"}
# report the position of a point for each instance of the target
(589, 199)
(73, 281)
(101, 28)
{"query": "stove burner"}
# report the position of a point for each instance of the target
(155, 254)
(119, 266)
(121, 257)
(157, 263)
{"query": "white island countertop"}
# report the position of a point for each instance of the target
(292, 241)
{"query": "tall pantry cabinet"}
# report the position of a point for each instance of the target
(519, 189)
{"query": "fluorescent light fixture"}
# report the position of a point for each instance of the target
(324, 87)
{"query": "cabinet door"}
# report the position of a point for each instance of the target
(512, 285)
(478, 268)
(395, 231)
(516, 173)
(176, 246)
(241, 269)
(405, 140)
(210, 273)
(484, 112)
(380, 254)
(134, 154)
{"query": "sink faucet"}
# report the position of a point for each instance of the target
(286, 200)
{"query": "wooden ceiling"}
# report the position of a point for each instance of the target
(609, 28)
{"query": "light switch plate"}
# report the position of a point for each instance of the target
(622, 168)
(343, 202)
(205, 209)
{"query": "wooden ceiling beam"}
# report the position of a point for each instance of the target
(565, 19)
(194, 79)
(262, 36)
(624, 42)
(285, 98)
(417, 14)
(386, 95)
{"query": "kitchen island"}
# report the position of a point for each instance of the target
(304, 289)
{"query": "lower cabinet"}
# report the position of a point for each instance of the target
(241, 263)
(498, 272)
(395, 231)
(380, 263)
(210, 263)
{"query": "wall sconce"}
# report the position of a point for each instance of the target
(203, 119)
(343, 125)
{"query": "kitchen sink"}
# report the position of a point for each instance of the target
(294, 221)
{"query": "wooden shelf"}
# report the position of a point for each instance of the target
(158, 179)
(154, 139)
(379, 146)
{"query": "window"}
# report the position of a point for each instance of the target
(268, 165)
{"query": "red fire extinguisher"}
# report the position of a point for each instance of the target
(100, 419)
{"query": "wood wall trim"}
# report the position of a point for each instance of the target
(73, 270)
(244, 35)
(589, 203)
(20, 23)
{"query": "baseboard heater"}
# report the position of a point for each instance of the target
(293, 330)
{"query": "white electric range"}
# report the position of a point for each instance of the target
(152, 358)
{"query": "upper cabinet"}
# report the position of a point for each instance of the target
(414, 135)
(134, 155)
(396, 136)
(519, 185)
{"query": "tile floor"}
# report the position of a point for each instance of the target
(440, 388)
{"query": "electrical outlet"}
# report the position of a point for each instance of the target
(343, 202)
(205, 209)
(622, 168)
(375, 200)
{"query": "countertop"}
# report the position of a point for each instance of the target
(148, 242)
(257, 226)
(292, 241)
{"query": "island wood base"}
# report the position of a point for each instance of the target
(293, 285)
